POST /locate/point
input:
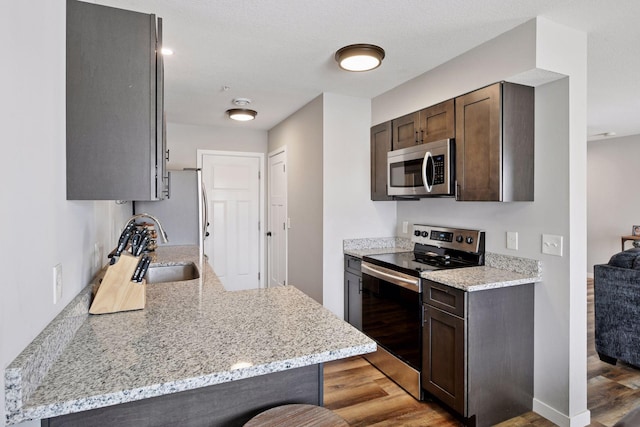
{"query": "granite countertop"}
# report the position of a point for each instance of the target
(473, 279)
(191, 334)
(499, 270)
(362, 247)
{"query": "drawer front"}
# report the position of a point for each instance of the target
(446, 298)
(352, 265)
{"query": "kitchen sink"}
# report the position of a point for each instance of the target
(172, 273)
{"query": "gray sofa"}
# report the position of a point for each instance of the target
(617, 308)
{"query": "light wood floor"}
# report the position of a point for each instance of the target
(363, 396)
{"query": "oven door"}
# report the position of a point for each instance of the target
(391, 312)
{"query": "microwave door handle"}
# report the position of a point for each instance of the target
(427, 181)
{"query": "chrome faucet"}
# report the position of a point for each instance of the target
(163, 234)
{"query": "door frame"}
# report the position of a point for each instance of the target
(273, 153)
(261, 203)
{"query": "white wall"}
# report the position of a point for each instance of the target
(349, 212)
(302, 134)
(612, 205)
(528, 52)
(40, 228)
(183, 140)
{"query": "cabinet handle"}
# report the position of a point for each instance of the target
(457, 190)
(167, 157)
(417, 140)
(421, 136)
(359, 285)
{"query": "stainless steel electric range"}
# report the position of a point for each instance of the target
(392, 296)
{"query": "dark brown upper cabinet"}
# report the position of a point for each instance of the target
(495, 144)
(430, 124)
(380, 146)
(115, 126)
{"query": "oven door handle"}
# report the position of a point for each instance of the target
(408, 282)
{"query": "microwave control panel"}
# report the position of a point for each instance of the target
(438, 169)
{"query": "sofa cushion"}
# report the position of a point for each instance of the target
(626, 259)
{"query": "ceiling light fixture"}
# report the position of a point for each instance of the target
(242, 114)
(359, 57)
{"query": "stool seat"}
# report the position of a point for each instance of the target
(297, 415)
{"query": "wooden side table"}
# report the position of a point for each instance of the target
(625, 238)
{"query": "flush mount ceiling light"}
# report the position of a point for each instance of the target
(242, 114)
(360, 57)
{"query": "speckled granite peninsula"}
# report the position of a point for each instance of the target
(192, 334)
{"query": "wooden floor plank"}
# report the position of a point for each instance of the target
(365, 397)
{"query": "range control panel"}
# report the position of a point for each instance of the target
(445, 237)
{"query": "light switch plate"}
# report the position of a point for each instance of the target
(512, 240)
(405, 227)
(552, 244)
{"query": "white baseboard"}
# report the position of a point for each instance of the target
(581, 420)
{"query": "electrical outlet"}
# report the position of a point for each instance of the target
(512, 240)
(57, 283)
(97, 256)
(552, 244)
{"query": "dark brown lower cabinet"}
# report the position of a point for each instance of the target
(444, 349)
(478, 351)
(353, 291)
(227, 404)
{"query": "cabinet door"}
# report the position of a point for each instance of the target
(443, 357)
(479, 145)
(380, 146)
(112, 124)
(353, 305)
(406, 131)
(438, 122)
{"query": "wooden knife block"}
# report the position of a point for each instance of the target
(117, 292)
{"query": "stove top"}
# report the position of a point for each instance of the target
(436, 248)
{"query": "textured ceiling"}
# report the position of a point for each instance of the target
(279, 53)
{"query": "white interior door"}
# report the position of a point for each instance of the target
(277, 230)
(232, 182)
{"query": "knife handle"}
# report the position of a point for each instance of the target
(142, 246)
(145, 266)
(136, 273)
(124, 238)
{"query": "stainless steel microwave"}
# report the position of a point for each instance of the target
(423, 170)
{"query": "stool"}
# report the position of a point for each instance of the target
(297, 415)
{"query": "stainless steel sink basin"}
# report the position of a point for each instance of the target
(172, 273)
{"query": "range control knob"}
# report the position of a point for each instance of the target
(416, 233)
(469, 240)
(459, 238)
(425, 234)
